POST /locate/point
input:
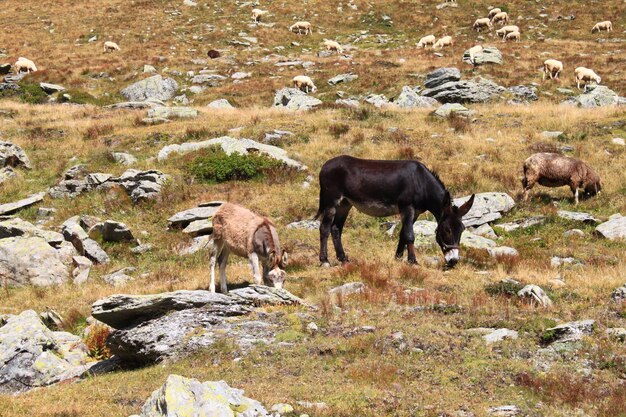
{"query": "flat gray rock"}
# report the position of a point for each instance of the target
(577, 216)
(221, 103)
(441, 76)
(342, 78)
(521, 223)
(51, 88)
(183, 218)
(499, 335)
(477, 90)
(446, 110)
(31, 261)
(294, 99)
(172, 113)
(489, 55)
(487, 208)
(613, 229)
(10, 208)
(569, 332)
(595, 96)
(17, 227)
(410, 98)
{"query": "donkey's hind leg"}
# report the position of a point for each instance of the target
(328, 216)
(337, 229)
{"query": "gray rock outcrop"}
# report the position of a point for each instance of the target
(31, 261)
(155, 87)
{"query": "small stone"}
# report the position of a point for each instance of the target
(82, 266)
(221, 103)
(618, 141)
(500, 335)
(574, 232)
(120, 277)
(535, 295)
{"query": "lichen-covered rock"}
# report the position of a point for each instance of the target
(619, 295)
(424, 231)
(441, 76)
(142, 185)
(478, 90)
(613, 229)
(13, 156)
(535, 295)
(184, 397)
(409, 98)
(294, 99)
(221, 103)
(184, 218)
(31, 261)
(342, 78)
(17, 227)
(85, 246)
(33, 356)
(595, 96)
(489, 55)
(172, 113)
(10, 208)
(448, 109)
(155, 87)
(577, 216)
(487, 208)
(229, 145)
(569, 332)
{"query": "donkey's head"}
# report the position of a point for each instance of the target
(450, 227)
(276, 275)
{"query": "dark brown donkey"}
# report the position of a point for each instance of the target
(385, 188)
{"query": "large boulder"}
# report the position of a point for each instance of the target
(31, 261)
(84, 245)
(151, 328)
(13, 156)
(184, 218)
(595, 96)
(487, 208)
(229, 145)
(15, 227)
(478, 90)
(33, 356)
(294, 99)
(613, 229)
(184, 397)
(441, 76)
(489, 55)
(409, 98)
(155, 87)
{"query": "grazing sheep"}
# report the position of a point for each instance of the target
(599, 27)
(257, 13)
(304, 83)
(111, 46)
(482, 23)
(332, 46)
(552, 68)
(506, 30)
(473, 51)
(513, 36)
(240, 231)
(213, 54)
(426, 40)
(300, 27)
(586, 75)
(494, 12)
(556, 170)
(443, 42)
(502, 18)
(25, 65)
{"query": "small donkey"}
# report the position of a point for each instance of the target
(240, 231)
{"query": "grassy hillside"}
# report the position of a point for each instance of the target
(444, 368)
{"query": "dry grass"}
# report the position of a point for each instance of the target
(364, 374)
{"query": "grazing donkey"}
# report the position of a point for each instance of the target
(240, 231)
(384, 188)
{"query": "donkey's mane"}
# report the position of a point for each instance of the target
(436, 175)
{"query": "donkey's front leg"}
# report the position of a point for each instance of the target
(325, 225)
(407, 236)
(254, 264)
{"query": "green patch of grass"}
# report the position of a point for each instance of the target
(504, 288)
(290, 336)
(32, 93)
(215, 166)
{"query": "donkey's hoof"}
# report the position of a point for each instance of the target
(325, 265)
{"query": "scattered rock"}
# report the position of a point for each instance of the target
(501, 251)
(484, 230)
(13, 156)
(487, 208)
(136, 105)
(182, 219)
(568, 332)
(184, 397)
(521, 223)
(155, 87)
(294, 99)
(505, 411)
(32, 356)
(442, 76)
(499, 335)
(197, 244)
(489, 55)
(613, 229)
(240, 75)
(377, 100)
(112, 231)
(78, 237)
(211, 80)
(617, 333)
(478, 90)
(595, 96)
(222, 103)
(305, 225)
(619, 295)
(151, 328)
(15, 227)
(119, 277)
(123, 158)
(10, 208)
(142, 185)
(618, 141)
(82, 267)
(342, 78)
(449, 109)
(229, 145)
(51, 88)
(524, 94)
(172, 113)
(536, 295)
(557, 261)
(577, 216)
(347, 289)
(31, 261)
(6, 174)
(409, 98)
(573, 232)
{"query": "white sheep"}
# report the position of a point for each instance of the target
(300, 27)
(443, 42)
(502, 18)
(513, 36)
(257, 13)
(25, 65)
(494, 12)
(426, 40)
(473, 51)
(506, 30)
(600, 26)
(246, 234)
(304, 83)
(331, 45)
(586, 76)
(484, 22)
(111, 46)
(552, 68)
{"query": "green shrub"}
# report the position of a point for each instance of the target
(32, 93)
(216, 166)
(504, 288)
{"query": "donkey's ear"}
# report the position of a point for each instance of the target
(285, 258)
(467, 206)
(447, 203)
